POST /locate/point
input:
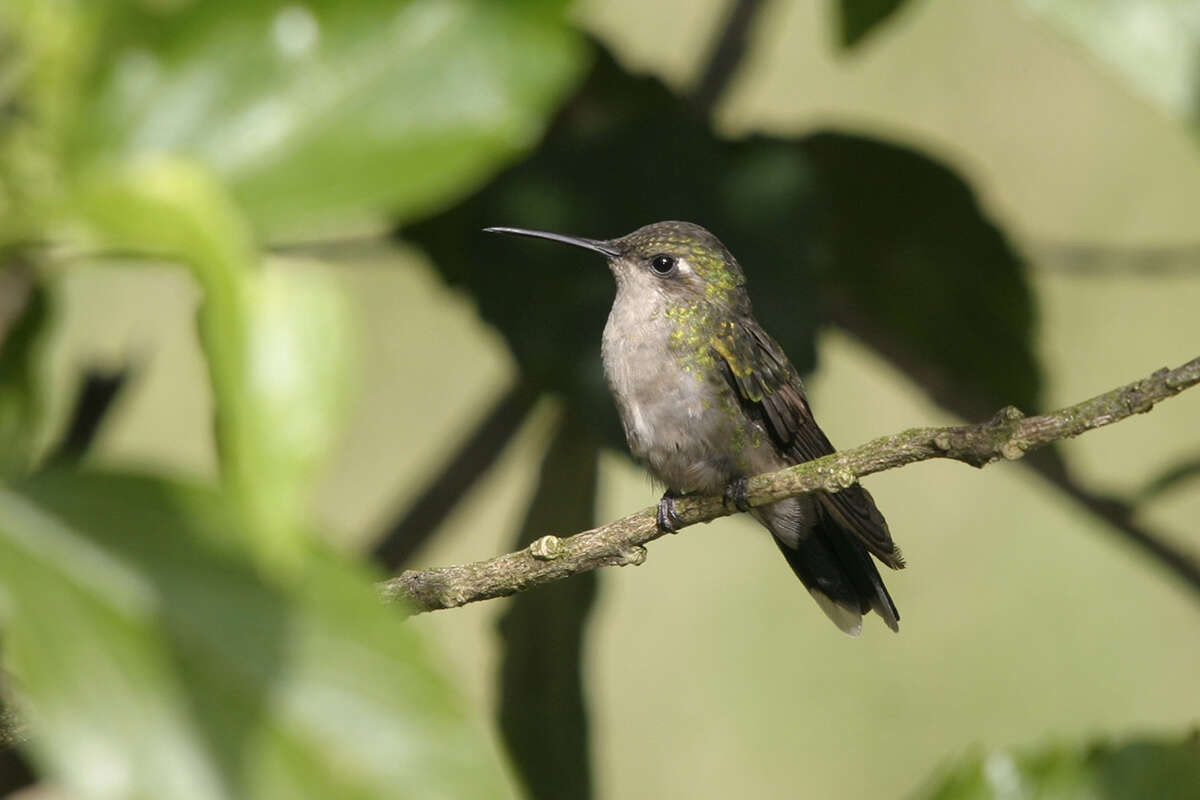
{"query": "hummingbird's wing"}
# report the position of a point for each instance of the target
(770, 390)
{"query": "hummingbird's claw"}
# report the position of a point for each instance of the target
(737, 494)
(668, 521)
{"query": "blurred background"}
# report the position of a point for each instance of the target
(942, 207)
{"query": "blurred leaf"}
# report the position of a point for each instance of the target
(1131, 771)
(321, 112)
(153, 661)
(275, 339)
(1151, 44)
(297, 374)
(804, 218)
(24, 321)
(40, 46)
(1186, 470)
(858, 18)
(542, 630)
(177, 210)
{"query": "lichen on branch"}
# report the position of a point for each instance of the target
(1006, 436)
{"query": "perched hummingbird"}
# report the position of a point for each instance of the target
(708, 398)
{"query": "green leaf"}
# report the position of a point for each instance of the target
(275, 337)
(41, 42)
(321, 112)
(296, 378)
(152, 660)
(1137, 769)
(858, 18)
(1151, 44)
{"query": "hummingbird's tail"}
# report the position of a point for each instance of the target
(838, 572)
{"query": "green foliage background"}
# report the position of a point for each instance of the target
(189, 612)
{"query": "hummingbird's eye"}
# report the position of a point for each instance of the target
(662, 264)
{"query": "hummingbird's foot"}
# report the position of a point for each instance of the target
(668, 521)
(737, 494)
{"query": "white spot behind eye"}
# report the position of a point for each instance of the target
(683, 266)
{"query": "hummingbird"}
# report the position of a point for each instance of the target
(707, 399)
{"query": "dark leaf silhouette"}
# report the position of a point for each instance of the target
(859, 18)
(875, 225)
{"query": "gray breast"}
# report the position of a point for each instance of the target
(684, 425)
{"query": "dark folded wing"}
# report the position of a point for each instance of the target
(770, 390)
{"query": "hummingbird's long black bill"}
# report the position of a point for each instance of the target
(595, 245)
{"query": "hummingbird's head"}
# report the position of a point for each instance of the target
(672, 260)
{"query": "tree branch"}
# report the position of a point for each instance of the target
(1008, 435)
(725, 57)
(1103, 260)
(93, 401)
(1046, 462)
